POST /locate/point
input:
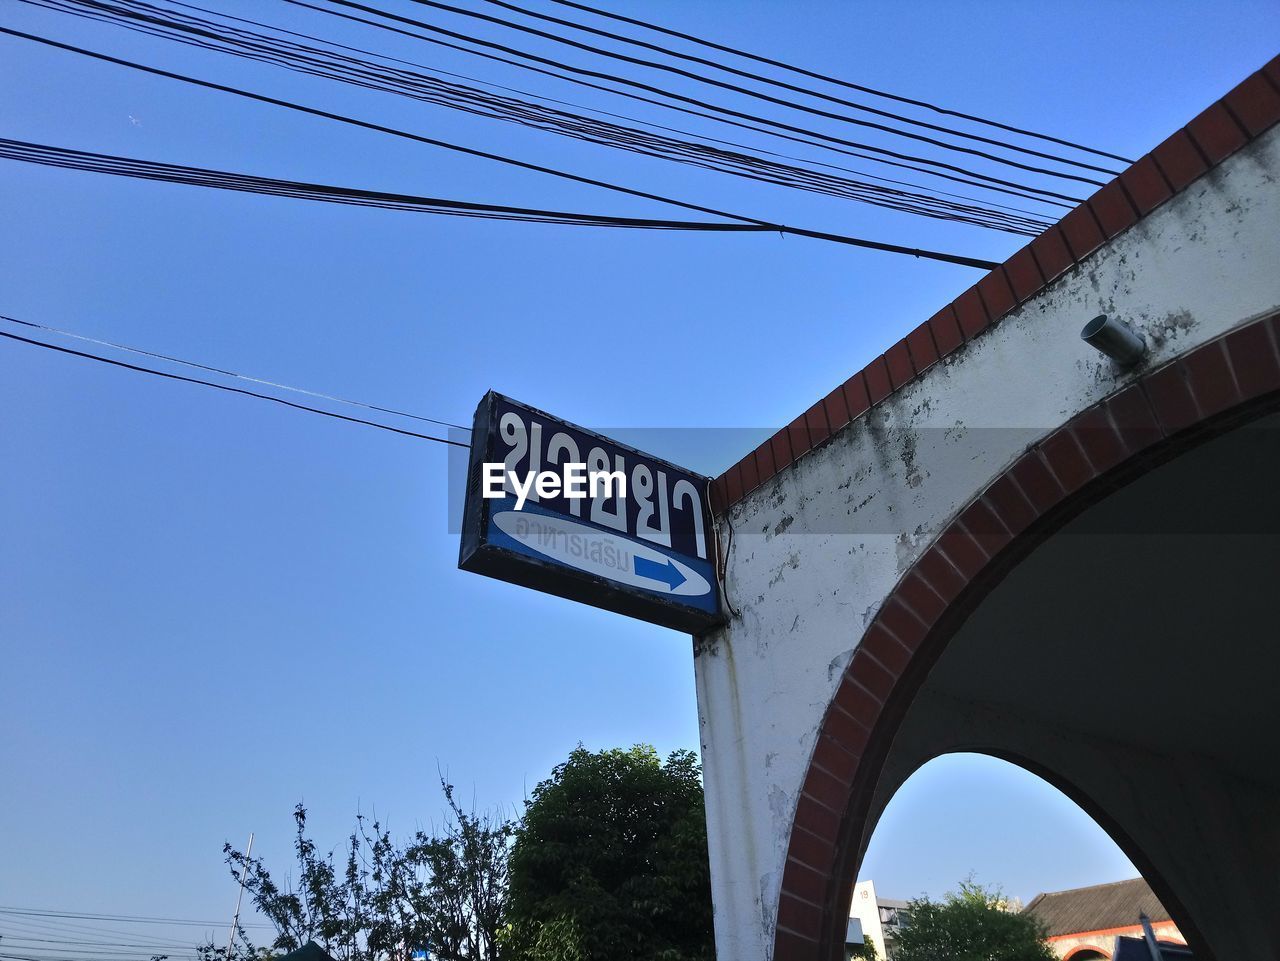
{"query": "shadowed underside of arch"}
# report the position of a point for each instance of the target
(1151, 421)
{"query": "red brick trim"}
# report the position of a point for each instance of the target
(1244, 114)
(1163, 927)
(1165, 412)
(1080, 949)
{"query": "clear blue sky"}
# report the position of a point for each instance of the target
(213, 608)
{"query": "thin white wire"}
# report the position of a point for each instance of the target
(229, 373)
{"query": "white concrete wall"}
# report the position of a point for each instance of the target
(817, 549)
(866, 908)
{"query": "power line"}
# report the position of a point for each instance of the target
(233, 390)
(471, 151)
(94, 948)
(58, 950)
(9, 909)
(25, 936)
(594, 110)
(836, 80)
(86, 947)
(67, 158)
(229, 373)
(475, 101)
(767, 98)
(807, 91)
(28, 927)
(831, 145)
(884, 151)
(39, 925)
(36, 954)
(49, 934)
(326, 63)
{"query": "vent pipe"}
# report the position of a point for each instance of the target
(1115, 339)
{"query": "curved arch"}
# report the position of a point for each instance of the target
(1161, 414)
(1095, 812)
(1079, 954)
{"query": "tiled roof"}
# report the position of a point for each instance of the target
(1097, 908)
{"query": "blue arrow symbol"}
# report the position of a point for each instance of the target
(666, 572)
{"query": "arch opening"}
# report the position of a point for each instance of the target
(1119, 650)
(967, 818)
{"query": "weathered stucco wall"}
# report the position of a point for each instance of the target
(816, 549)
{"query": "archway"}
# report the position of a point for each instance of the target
(966, 814)
(861, 538)
(1122, 500)
(966, 818)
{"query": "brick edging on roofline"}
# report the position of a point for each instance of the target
(1239, 118)
(1227, 381)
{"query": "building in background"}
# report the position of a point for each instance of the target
(874, 919)
(1085, 924)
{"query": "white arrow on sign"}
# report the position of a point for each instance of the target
(601, 553)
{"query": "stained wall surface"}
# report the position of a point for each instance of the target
(818, 546)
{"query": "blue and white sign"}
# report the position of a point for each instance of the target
(564, 510)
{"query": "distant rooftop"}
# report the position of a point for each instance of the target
(1096, 908)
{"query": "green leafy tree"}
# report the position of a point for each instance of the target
(610, 862)
(975, 923)
(445, 893)
(463, 904)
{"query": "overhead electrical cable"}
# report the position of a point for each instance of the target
(56, 946)
(229, 373)
(48, 952)
(898, 98)
(720, 109)
(64, 956)
(366, 73)
(595, 110)
(546, 68)
(24, 936)
(14, 936)
(305, 60)
(45, 925)
(169, 375)
(9, 909)
(90, 948)
(51, 928)
(85, 947)
(203, 177)
(369, 74)
(64, 158)
(769, 98)
(794, 88)
(13, 927)
(525, 165)
(62, 931)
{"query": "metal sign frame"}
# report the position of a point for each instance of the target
(660, 583)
